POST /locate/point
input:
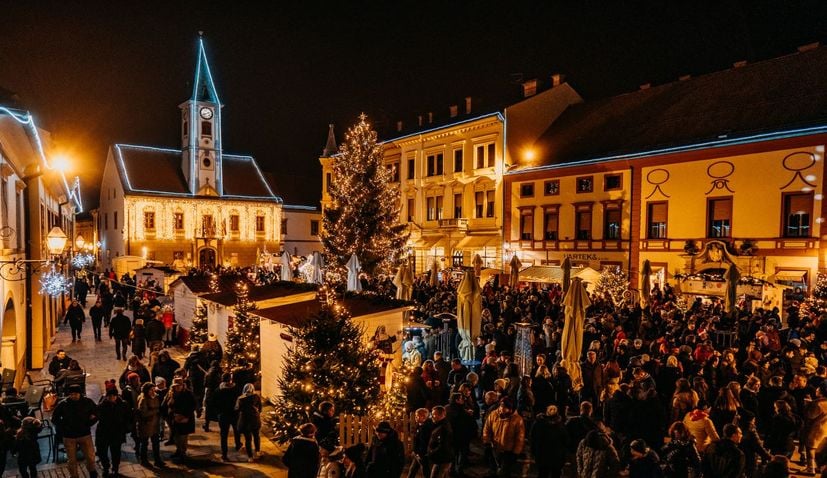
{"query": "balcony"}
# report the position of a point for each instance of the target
(458, 223)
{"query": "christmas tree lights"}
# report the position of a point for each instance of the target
(393, 401)
(243, 337)
(613, 283)
(363, 216)
(198, 331)
(329, 361)
(820, 289)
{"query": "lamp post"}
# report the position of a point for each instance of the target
(55, 244)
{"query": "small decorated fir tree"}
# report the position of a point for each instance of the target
(243, 337)
(198, 332)
(613, 283)
(820, 289)
(393, 401)
(328, 361)
(363, 214)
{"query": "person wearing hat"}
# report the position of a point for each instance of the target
(354, 462)
(138, 336)
(27, 448)
(119, 329)
(386, 455)
(644, 462)
(504, 434)
(73, 418)
(212, 349)
(302, 455)
(114, 421)
(75, 317)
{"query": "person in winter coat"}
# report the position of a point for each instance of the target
(119, 329)
(27, 448)
(422, 437)
(196, 366)
(331, 464)
(302, 456)
(138, 339)
(148, 425)
(75, 317)
(181, 407)
(248, 407)
(782, 430)
(700, 426)
(165, 366)
(327, 429)
(464, 429)
(60, 361)
(504, 434)
(578, 427)
(644, 462)
(549, 442)
(386, 455)
(814, 432)
(224, 399)
(354, 462)
(440, 444)
(417, 391)
(114, 421)
(723, 458)
(596, 457)
(679, 456)
(73, 418)
(134, 365)
(751, 444)
(211, 383)
(96, 313)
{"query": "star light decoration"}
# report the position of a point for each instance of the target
(82, 259)
(53, 283)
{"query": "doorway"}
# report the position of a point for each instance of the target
(206, 258)
(8, 349)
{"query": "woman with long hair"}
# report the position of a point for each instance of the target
(783, 429)
(680, 455)
(684, 399)
(248, 407)
(725, 408)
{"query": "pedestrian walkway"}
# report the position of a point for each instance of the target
(98, 360)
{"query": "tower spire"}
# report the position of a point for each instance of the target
(203, 88)
(330, 148)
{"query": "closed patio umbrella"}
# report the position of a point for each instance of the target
(646, 287)
(575, 302)
(515, 271)
(286, 266)
(566, 266)
(434, 273)
(477, 265)
(353, 266)
(469, 314)
(407, 282)
(732, 278)
(398, 280)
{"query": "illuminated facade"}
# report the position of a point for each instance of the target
(191, 207)
(727, 168)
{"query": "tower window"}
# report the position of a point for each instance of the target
(206, 128)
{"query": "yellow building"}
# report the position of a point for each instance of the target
(695, 175)
(191, 207)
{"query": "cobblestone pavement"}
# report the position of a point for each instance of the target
(98, 359)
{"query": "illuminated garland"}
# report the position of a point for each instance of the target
(243, 338)
(82, 259)
(54, 284)
(393, 402)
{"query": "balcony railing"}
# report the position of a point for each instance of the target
(457, 222)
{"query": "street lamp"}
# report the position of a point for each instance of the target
(56, 241)
(55, 244)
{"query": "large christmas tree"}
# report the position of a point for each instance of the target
(243, 337)
(614, 283)
(363, 216)
(328, 362)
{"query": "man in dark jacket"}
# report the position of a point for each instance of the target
(108, 303)
(96, 313)
(119, 329)
(578, 427)
(115, 419)
(549, 442)
(165, 366)
(302, 456)
(75, 317)
(59, 362)
(422, 437)
(327, 430)
(440, 445)
(73, 417)
(155, 333)
(723, 458)
(386, 455)
(457, 374)
(463, 428)
(224, 399)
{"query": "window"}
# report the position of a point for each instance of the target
(431, 208)
(149, 221)
(583, 222)
(457, 160)
(235, 224)
(411, 210)
(479, 204)
(656, 215)
(314, 228)
(612, 182)
(284, 226)
(551, 188)
(585, 184)
(485, 155)
(611, 221)
(329, 182)
(115, 220)
(798, 211)
(207, 225)
(527, 224)
(206, 128)
(719, 213)
(411, 168)
(394, 169)
(178, 221)
(550, 224)
(489, 206)
(458, 205)
(434, 162)
(527, 190)
(259, 223)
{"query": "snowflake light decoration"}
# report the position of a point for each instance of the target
(53, 283)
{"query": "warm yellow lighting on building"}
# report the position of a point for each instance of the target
(529, 154)
(61, 163)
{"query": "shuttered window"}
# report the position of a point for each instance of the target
(720, 217)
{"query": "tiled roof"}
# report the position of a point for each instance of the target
(765, 97)
(297, 313)
(149, 170)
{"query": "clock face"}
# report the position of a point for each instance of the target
(206, 113)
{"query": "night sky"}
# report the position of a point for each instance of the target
(96, 73)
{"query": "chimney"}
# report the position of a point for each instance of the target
(420, 120)
(739, 64)
(684, 77)
(430, 117)
(399, 126)
(557, 79)
(454, 110)
(529, 88)
(467, 105)
(645, 86)
(808, 47)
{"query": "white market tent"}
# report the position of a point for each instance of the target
(554, 275)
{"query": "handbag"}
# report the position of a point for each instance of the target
(49, 401)
(180, 419)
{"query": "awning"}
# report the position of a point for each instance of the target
(427, 242)
(790, 276)
(475, 242)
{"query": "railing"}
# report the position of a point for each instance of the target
(457, 222)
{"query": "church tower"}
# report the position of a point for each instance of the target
(201, 131)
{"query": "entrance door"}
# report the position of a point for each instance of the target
(8, 349)
(206, 258)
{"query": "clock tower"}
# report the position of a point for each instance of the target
(201, 132)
